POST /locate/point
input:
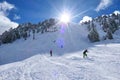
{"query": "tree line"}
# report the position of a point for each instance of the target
(108, 23)
(26, 30)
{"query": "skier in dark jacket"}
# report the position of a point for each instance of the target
(85, 53)
(50, 52)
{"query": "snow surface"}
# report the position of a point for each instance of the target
(102, 64)
(66, 63)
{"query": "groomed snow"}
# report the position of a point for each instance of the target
(102, 64)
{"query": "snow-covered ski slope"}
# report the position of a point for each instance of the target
(102, 64)
(66, 63)
(72, 37)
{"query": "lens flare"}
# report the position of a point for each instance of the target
(65, 17)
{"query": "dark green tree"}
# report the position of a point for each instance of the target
(93, 34)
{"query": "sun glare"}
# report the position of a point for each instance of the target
(65, 17)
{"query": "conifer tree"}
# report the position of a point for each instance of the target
(109, 34)
(33, 34)
(93, 34)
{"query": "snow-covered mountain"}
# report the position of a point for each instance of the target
(67, 41)
(72, 38)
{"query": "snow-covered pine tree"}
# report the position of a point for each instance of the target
(25, 35)
(112, 25)
(33, 33)
(105, 25)
(39, 27)
(6, 37)
(29, 32)
(118, 15)
(93, 34)
(109, 34)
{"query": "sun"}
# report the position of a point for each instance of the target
(65, 17)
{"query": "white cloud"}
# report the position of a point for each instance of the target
(103, 4)
(86, 19)
(5, 6)
(5, 22)
(116, 12)
(16, 17)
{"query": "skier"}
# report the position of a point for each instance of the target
(50, 52)
(85, 53)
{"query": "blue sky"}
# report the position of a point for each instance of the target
(21, 11)
(37, 10)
